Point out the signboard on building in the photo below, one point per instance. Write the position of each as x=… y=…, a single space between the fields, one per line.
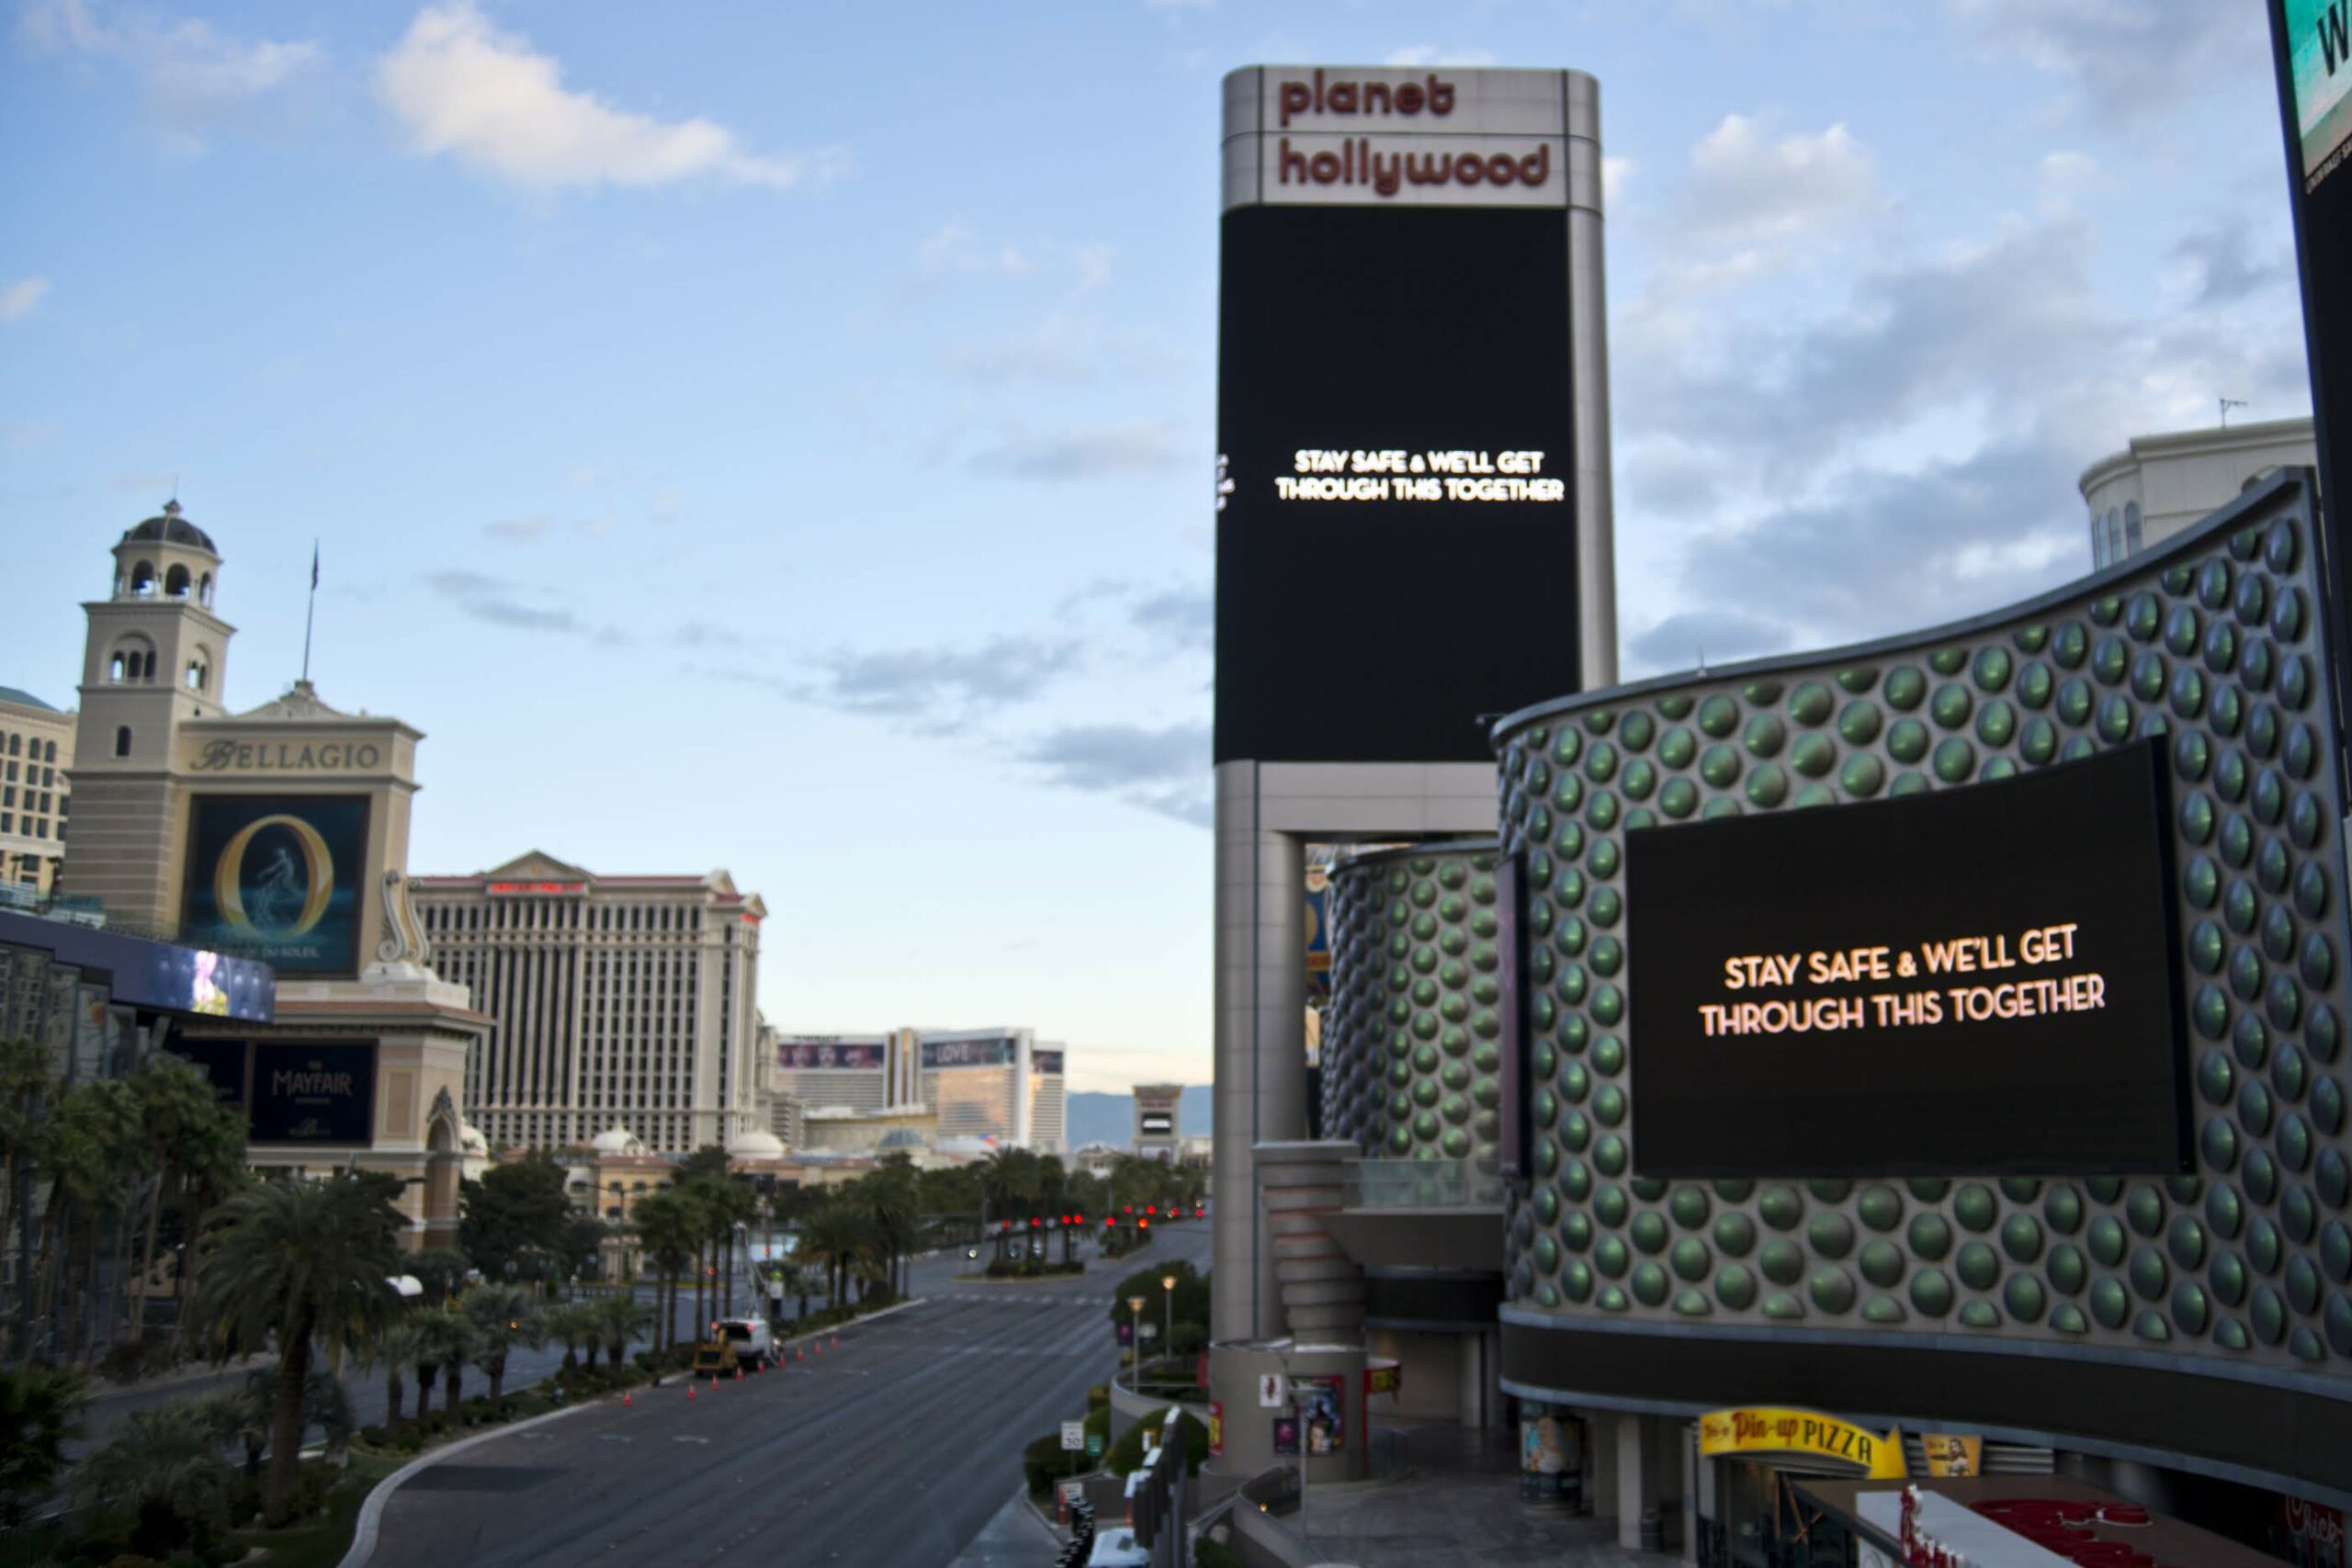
x=996 y=1053
x=313 y=1093
x=1396 y=408
x=278 y=878
x=802 y=1057
x=1771 y=1429
x=2312 y=53
x=1978 y=980
x=291 y=1091
x=1322 y=1412
x=1950 y=1453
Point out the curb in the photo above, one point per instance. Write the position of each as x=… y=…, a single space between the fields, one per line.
x=371 y=1511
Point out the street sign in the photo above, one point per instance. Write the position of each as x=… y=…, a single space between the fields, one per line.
x=1273 y=1391
x=1073 y=1435
x=1094 y=1444
x=1151 y=1331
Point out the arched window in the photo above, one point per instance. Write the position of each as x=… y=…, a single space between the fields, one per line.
x=199 y=675
x=122 y=740
x=2132 y=527
x=175 y=582
x=16 y=745
x=204 y=591
x=2114 y=535
x=50 y=753
x=142 y=579
x=2099 y=544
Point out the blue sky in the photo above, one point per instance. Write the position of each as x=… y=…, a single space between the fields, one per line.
x=783 y=439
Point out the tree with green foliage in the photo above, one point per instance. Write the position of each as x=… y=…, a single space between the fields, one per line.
x=516 y=1219
x=185 y=1136
x=395 y=1350
x=619 y=1319
x=444 y=1343
x=163 y=1477
x=441 y=1270
x=832 y=1238
x=41 y=1412
x=572 y=1325
x=297 y=1262
x=666 y=1225
x=505 y=1316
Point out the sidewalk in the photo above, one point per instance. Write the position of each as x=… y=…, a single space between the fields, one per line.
x=1456 y=1505
x=1016 y=1537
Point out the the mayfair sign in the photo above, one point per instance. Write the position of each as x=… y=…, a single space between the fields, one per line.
x=286 y=756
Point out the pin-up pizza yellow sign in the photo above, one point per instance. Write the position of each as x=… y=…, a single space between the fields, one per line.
x=1768 y=1429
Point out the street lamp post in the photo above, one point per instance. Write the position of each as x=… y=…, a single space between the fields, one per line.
x=1167 y=1314
x=1135 y=1331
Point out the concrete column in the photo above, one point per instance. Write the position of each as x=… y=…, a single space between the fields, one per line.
x=1588 y=352
x=1261 y=1000
x=1635 y=1480
x=1698 y=1494
x=1601 y=1463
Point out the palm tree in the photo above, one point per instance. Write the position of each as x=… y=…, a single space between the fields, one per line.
x=803 y=1282
x=41 y=1412
x=665 y=1224
x=181 y=1126
x=297 y=1260
x=503 y=1316
x=396 y=1349
x=445 y=1342
x=833 y=1237
x=165 y=1472
x=571 y=1326
x=619 y=1319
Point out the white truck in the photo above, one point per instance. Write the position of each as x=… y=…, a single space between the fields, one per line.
x=735 y=1342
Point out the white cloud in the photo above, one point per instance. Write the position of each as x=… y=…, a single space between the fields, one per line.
x=460 y=86
x=1429 y=54
x=955 y=249
x=18 y=298
x=197 y=80
x=2132 y=59
x=1615 y=175
x=1745 y=187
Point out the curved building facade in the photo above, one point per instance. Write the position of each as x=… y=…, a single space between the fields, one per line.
x=1413 y=1035
x=2198 y=1317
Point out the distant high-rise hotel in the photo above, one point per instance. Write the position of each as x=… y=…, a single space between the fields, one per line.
x=620 y=1002
x=36 y=750
x=2160 y=484
x=999 y=1083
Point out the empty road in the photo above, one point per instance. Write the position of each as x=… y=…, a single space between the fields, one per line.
x=890 y=1452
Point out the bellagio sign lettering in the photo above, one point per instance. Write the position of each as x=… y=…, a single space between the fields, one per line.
x=284 y=756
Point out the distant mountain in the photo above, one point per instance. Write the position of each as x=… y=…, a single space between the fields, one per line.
x=1111 y=1118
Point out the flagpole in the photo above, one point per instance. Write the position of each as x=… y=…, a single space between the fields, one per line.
x=309 y=616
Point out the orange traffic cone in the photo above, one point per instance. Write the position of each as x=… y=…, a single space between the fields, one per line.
x=626 y=1401
x=690 y=1391
x=738 y=1374
x=837 y=1341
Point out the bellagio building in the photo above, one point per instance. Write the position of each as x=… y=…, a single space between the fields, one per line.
x=624 y=1001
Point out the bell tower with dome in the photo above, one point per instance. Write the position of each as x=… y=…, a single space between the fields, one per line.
x=154 y=660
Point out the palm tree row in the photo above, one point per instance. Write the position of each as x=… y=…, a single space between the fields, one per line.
x=93 y=1171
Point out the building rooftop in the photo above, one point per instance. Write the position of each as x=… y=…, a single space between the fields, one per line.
x=24 y=699
x=171 y=528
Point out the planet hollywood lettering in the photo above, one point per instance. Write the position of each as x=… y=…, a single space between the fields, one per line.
x=2027 y=996
x=284 y=756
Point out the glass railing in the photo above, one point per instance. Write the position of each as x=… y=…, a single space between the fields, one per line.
x=1425 y=1184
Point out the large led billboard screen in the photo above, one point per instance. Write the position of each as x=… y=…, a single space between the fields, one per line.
x=1396 y=411
x=276 y=877
x=2319 y=63
x=1970 y=981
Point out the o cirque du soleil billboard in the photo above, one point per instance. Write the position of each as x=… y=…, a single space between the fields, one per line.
x=276 y=877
